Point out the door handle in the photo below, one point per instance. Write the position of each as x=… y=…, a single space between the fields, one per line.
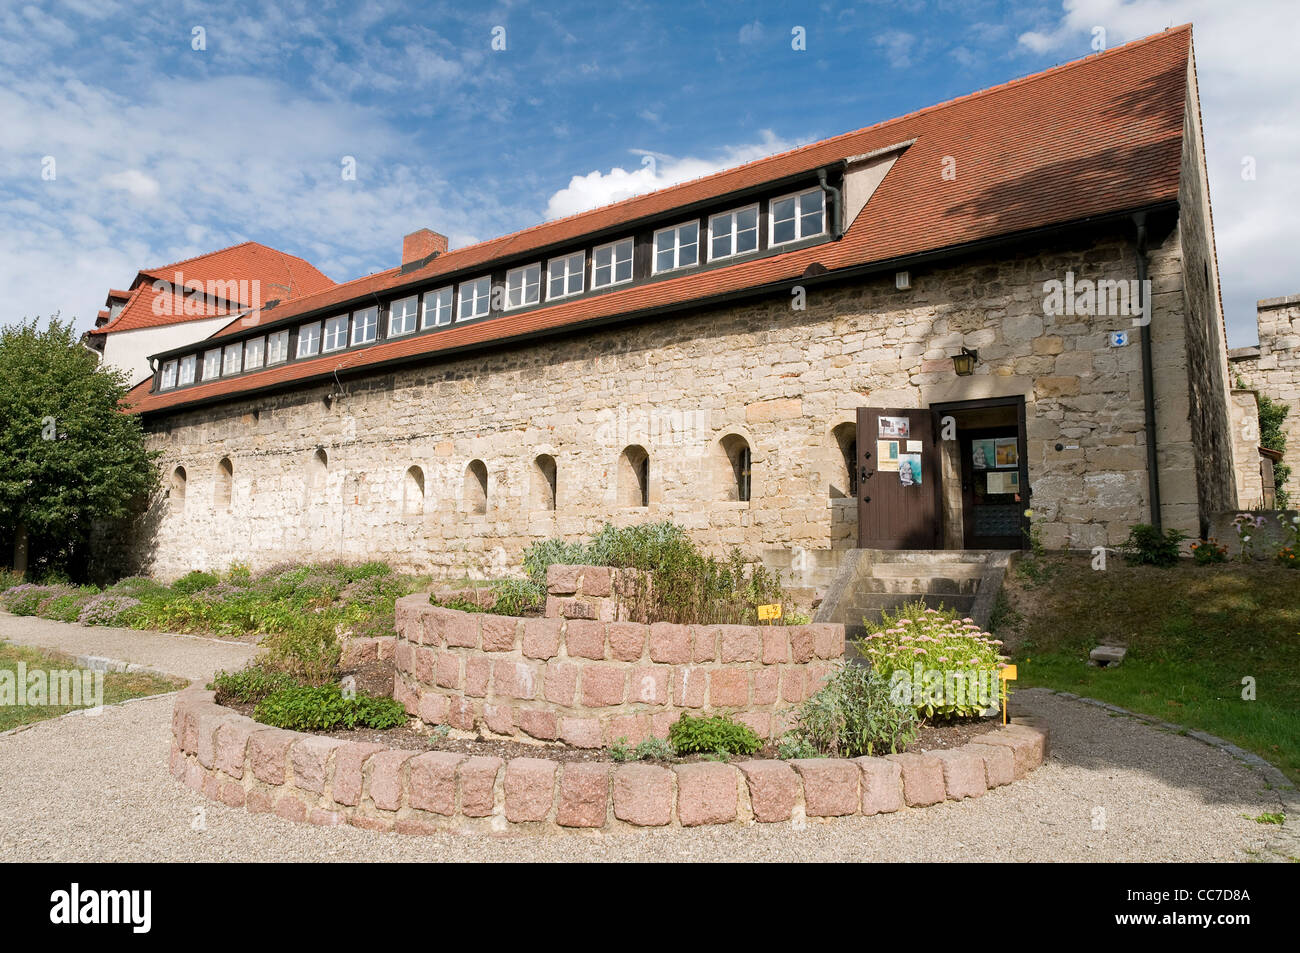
x=865 y=474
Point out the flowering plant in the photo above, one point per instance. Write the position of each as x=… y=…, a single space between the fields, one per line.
x=1209 y=551
x=923 y=644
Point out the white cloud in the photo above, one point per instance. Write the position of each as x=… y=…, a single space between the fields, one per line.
x=898 y=47
x=1248 y=72
x=751 y=33
x=655 y=171
x=135 y=182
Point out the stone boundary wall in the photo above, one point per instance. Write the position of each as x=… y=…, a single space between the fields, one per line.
x=230 y=758
x=588 y=683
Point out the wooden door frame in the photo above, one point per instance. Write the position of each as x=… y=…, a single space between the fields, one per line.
x=1018 y=401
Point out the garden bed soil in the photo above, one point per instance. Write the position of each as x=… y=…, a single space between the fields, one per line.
x=376 y=677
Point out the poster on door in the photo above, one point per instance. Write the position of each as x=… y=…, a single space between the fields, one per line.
x=995 y=453
x=887 y=455
x=909 y=469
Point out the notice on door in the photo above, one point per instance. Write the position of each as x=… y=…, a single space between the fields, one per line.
x=887 y=455
x=909 y=469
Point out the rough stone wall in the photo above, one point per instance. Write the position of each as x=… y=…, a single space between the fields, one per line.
x=1274 y=369
x=1204 y=371
x=1245 y=448
x=782 y=379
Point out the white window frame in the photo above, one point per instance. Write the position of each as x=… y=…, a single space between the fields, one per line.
x=236 y=350
x=277 y=348
x=408 y=310
x=429 y=317
x=519 y=276
x=303 y=336
x=734 y=232
x=251 y=347
x=168 y=379
x=566 y=275
x=677 y=247
x=798 y=217
x=483 y=297
x=335 y=334
x=212 y=364
x=367 y=319
x=613 y=263
x=185 y=371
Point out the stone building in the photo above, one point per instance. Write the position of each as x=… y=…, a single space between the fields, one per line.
x=1273 y=369
x=903 y=337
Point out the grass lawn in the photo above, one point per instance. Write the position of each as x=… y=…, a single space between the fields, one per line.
x=1193 y=634
x=118 y=686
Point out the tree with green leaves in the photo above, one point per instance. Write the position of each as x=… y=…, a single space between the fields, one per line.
x=1271 y=415
x=69 y=456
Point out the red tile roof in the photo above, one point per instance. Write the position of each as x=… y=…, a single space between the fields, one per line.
x=279 y=275
x=1092 y=137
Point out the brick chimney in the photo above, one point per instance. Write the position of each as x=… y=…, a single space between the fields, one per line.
x=422 y=244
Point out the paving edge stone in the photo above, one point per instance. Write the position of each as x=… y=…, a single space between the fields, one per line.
x=374 y=788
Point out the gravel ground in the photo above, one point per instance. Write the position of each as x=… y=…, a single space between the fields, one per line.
x=98 y=789
x=189 y=656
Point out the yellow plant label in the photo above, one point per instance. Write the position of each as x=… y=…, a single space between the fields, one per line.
x=767 y=613
x=1008 y=674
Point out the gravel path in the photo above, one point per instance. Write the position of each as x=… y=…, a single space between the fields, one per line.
x=98 y=789
x=189 y=656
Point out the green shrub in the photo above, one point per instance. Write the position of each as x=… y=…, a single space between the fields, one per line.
x=193 y=582
x=619 y=750
x=540 y=556
x=654 y=749
x=793 y=745
x=457 y=603
x=325 y=708
x=937 y=640
x=308 y=651
x=1148 y=546
x=519 y=597
x=249 y=685
x=717 y=733
x=853 y=714
x=1209 y=551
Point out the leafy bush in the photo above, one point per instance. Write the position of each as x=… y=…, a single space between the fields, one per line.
x=309 y=651
x=717 y=733
x=249 y=685
x=193 y=582
x=1148 y=546
x=457 y=603
x=325 y=708
x=654 y=749
x=540 y=556
x=27 y=598
x=794 y=745
x=620 y=751
x=107 y=609
x=1206 y=552
x=519 y=597
x=853 y=714
x=937 y=641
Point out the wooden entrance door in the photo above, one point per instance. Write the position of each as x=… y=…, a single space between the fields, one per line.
x=898 y=479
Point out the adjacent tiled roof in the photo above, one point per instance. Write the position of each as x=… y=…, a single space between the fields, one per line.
x=280 y=275
x=1093 y=137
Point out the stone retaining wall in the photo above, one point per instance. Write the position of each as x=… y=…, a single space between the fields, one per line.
x=327 y=781
x=588 y=682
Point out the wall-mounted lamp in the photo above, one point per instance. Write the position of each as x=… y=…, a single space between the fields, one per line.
x=964 y=363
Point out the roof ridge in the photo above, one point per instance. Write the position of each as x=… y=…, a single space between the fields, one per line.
x=975 y=94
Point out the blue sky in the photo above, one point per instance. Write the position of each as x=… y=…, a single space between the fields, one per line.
x=162 y=151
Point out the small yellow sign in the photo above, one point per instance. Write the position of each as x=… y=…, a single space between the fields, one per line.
x=1008 y=673
x=768 y=613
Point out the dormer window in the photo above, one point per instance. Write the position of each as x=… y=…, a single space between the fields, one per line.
x=336 y=333
x=234 y=359
x=437 y=308
x=211 y=364
x=475 y=298
x=309 y=340
x=733 y=233
x=795 y=217
x=254 y=353
x=677 y=247
x=611 y=264
x=277 y=348
x=564 y=276
x=523 y=286
x=365 y=324
x=168 y=376
x=401 y=316
x=187 y=365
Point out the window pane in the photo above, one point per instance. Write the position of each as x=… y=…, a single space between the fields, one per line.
x=336 y=333
x=211 y=364
x=168 y=375
x=688 y=237
x=253 y=352
x=746 y=230
x=623 y=264
x=664 y=260
x=401 y=318
x=277 y=347
x=234 y=359
x=364 y=323
x=309 y=339
x=187 y=370
x=475 y=298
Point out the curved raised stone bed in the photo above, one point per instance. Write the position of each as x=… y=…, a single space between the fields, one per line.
x=233 y=759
